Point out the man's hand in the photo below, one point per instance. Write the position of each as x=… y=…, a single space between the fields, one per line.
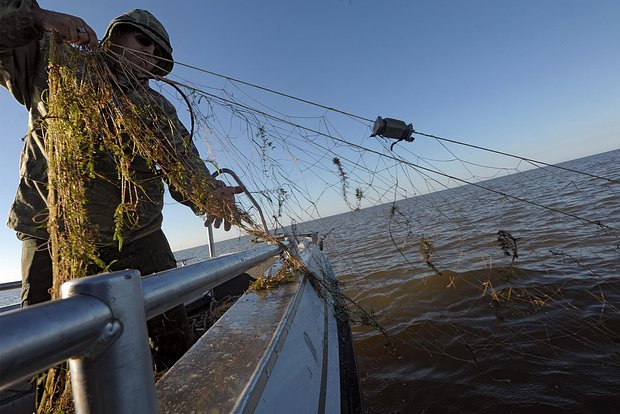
x=69 y=28
x=227 y=209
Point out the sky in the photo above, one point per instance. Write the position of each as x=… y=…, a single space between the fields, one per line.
x=538 y=78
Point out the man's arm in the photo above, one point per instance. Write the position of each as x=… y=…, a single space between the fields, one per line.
x=19 y=49
x=179 y=138
x=22 y=21
x=17 y=27
x=22 y=25
x=69 y=28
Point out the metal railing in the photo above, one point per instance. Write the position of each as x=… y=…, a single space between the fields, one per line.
x=100 y=326
x=10 y=285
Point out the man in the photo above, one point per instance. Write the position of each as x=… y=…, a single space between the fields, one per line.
x=142 y=47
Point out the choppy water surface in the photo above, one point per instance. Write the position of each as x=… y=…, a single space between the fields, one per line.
x=483 y=333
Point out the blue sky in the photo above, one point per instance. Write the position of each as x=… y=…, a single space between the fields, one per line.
x=538 y=78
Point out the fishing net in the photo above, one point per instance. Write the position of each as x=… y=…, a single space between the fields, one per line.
x=465 y=268
x=97 y=115
x=466 y=258
x=101 y=114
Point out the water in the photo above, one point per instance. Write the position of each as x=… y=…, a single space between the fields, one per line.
x=473 y=330
x=9 y=297
x=482 y=333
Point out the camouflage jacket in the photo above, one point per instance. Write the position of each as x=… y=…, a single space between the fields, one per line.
x=23 y=71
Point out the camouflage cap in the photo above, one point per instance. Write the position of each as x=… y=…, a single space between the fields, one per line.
x=149 y=25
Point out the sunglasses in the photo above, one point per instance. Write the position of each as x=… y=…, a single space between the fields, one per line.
x=143 y=39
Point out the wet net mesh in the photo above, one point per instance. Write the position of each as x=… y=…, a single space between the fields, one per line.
x=471 y=266
x=477 y=265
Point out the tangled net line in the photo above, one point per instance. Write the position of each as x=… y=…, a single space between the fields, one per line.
x=481 y=243
x=468 y=243
x=540 y=288
x=510 y=272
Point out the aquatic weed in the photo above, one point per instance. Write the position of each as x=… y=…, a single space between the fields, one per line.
x=508 y=244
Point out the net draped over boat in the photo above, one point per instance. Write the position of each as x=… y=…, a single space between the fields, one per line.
x=501 y=256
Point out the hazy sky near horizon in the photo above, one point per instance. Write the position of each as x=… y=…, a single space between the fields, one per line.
x=538 y=78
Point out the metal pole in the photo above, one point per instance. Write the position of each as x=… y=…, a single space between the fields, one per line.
x=211 y=241
x=41 y=336
x=167 y=289
x=117 y=375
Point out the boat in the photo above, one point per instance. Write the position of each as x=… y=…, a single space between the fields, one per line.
x=286 y=349
x=283 y=349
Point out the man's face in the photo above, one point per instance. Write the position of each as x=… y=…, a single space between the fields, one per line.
x=137 y=48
